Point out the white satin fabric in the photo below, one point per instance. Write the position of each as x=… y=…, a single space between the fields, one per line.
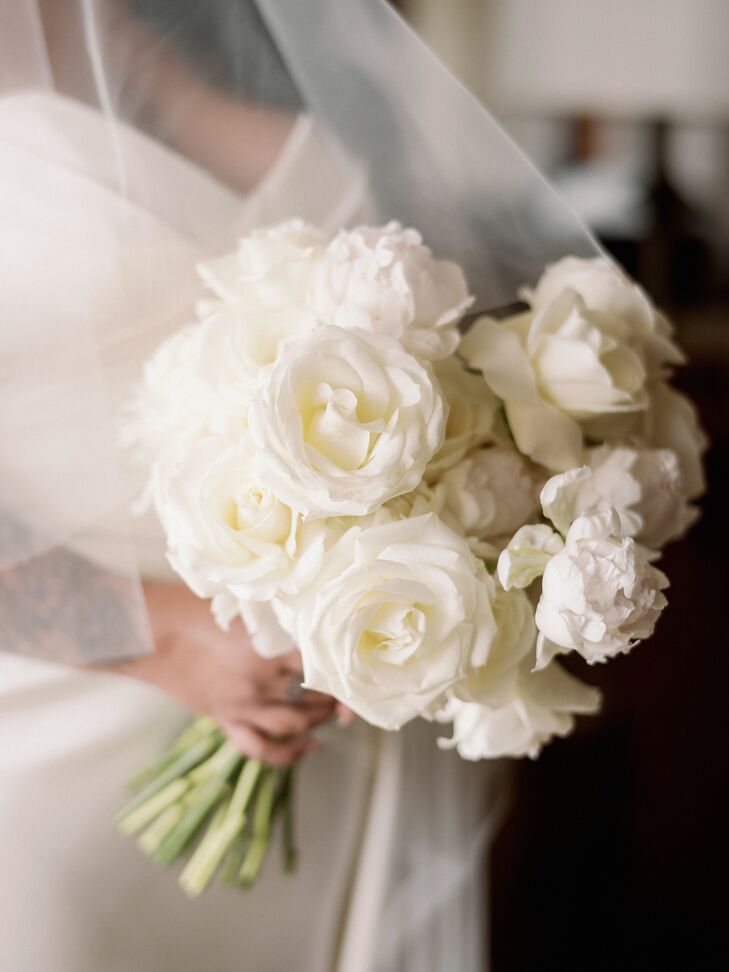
x=391 y=830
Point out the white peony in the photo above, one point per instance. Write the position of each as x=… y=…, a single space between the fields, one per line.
x=543 y=705
x=344 y=421
x=600 y=594
x=643 y=485
x=527 y=554
x=225 y=532
x=273 y=267
x=383 y=279
x=172 y=403
x=401 y=612
x=489 y=493
x=472 y=415
x=556 y=368
x=606 y=288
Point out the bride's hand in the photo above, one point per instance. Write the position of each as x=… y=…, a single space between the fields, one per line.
x=219 y=673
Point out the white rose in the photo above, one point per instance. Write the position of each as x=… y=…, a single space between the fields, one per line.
x=200 y=381
x=401 y=613
x=643 y=485
x=527 y=554
x=495 y=683
x=542 y=706
x=344 y=421
x=555 y=368
x=605 y=288
x=235 y=346
x=272 y=267
x=472 y=415
x=672 y=422
x=260 y=619
x=384 y=280
x=172 y=403
x=600 y=594
x=226 y=532
x=489 y=493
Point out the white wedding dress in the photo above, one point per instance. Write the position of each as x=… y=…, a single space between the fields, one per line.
x=390 y=829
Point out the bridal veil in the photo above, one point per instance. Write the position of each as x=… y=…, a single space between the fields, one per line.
x=137 y=138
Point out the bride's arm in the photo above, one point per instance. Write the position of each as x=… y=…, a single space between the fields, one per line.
x=235 y=139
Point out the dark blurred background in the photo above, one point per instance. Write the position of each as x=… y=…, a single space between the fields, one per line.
x=613 y=854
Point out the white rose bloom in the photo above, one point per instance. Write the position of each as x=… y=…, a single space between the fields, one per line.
x=489 y=493
x=600 y=594
x=527 y=554
x=402 y=612
x=267 y=635
x=554 y=369
x=384 y=280
x=173 y=403
x=643 y=486
x=272 y=267
x=227 y=533
x=472 y=415
x=344 y=421
x=672 y=422
x=606 y=288
x=543 y=705
x=495 y=683
x=200 y=381
x=238 y=344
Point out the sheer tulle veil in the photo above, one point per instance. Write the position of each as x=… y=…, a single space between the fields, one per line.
x=138 y=137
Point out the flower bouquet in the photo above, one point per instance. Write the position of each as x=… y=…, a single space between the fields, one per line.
x=430 y=516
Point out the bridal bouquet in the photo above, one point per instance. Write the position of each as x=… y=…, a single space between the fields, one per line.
x=431 y=518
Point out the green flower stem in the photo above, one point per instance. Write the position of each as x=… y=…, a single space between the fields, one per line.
x=143 y=815
x=201 y=867
x=200 y=728
x=245 y=786
x=262 y=817
x=204 y=772
x=207 y=797
x=202 y=777
x=226 y=826
x=235 y=858
x=186 y=762
x=153 y=836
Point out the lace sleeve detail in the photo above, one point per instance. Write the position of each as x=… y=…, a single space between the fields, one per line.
x=61 y=607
